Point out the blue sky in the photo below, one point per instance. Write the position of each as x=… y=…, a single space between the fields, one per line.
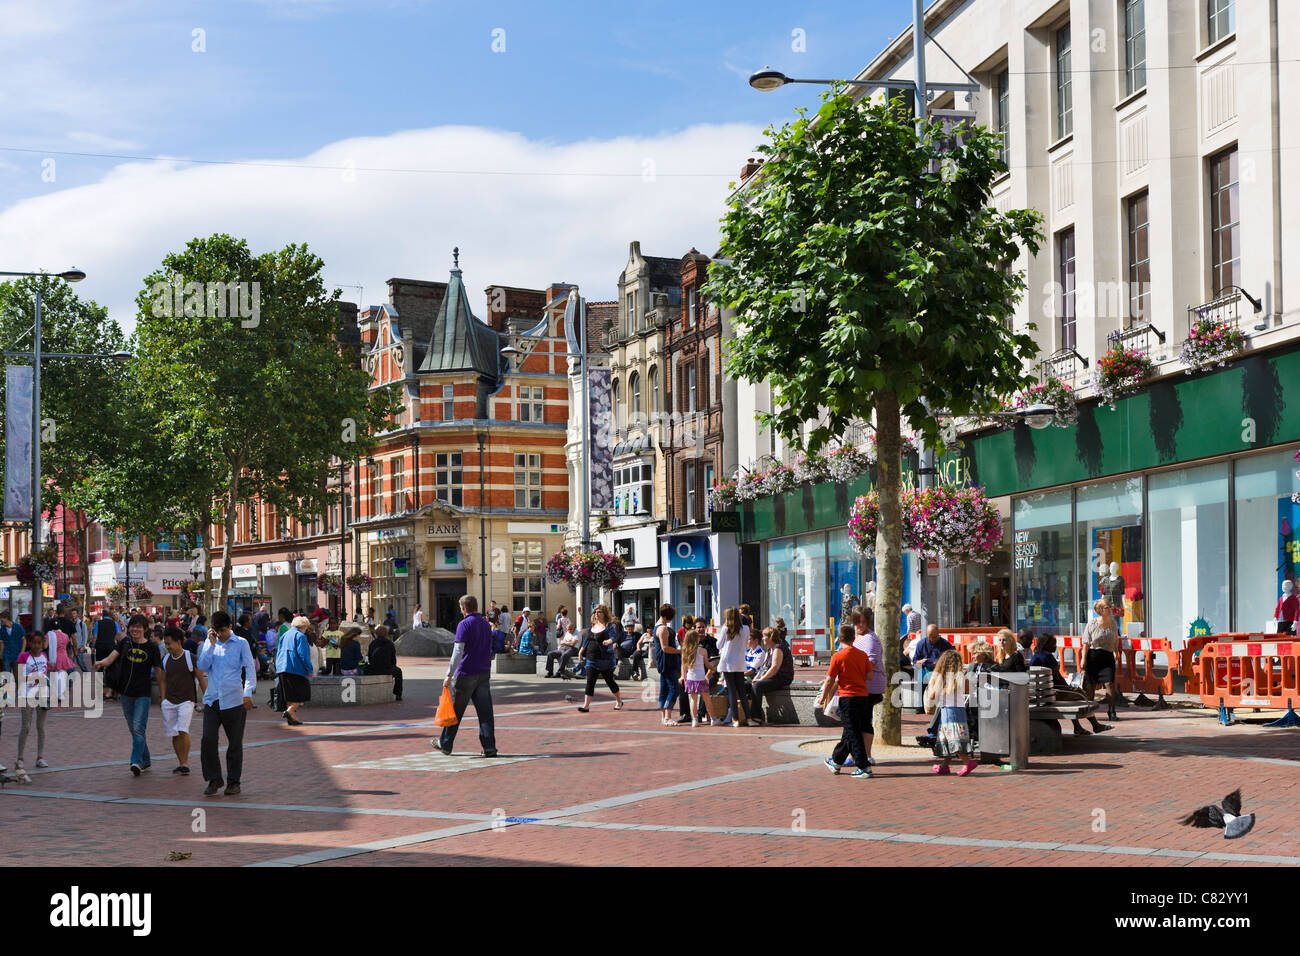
x=578 y=87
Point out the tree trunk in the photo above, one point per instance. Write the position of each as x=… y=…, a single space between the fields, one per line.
x=232 y=503
x=889 y=559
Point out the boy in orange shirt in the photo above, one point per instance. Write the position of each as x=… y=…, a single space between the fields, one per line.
x=850 y=667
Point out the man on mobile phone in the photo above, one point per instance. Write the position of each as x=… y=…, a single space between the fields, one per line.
x=232 y=681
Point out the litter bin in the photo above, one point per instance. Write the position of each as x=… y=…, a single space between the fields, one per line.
x=1003 y=705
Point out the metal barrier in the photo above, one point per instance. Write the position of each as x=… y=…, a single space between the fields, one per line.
x=1250 y=674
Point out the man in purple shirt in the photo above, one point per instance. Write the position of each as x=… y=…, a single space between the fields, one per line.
x=867 y=641
x=468 y=677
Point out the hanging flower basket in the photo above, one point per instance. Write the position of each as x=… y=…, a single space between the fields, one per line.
x=1052 y=392
x=600 y=569
x=1211 y=342
x=115 y=593
x=190 y=588
x=40 y=565
x=958 y=524
x=864 y=521
x=140 y=592
x=722 y=494
x=360 y=583
x=1120 y=372
x=329 y=583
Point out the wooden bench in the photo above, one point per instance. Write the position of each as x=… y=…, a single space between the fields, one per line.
x=1045 y=711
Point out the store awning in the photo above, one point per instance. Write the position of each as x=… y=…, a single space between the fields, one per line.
x=640 y=582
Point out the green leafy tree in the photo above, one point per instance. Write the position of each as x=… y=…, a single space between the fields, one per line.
x=256 y=395
x=76 y=415
x=866 y=268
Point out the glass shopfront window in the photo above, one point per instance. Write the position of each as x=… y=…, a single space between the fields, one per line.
x=1188 y=576
x=810 y=577
x=845 y=574
x=1267 y=536
x=1109 y=545
x=1043 y=556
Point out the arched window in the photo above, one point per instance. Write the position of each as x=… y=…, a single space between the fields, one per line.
x=654 y=390
x=634 y=396
x=617 y=396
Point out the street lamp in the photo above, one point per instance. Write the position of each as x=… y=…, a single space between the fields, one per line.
x=36 y=355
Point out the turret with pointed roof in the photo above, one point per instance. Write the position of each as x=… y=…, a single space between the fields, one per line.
x=460 y=341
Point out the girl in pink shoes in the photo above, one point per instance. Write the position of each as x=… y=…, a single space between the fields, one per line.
x=947 y=692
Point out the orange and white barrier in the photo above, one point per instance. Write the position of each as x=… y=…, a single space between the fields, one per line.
x=1249 y=673
x=1130 y=679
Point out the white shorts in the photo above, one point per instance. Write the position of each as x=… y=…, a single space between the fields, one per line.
x=176 y=717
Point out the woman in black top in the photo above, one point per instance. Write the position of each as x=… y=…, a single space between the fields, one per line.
x=598 y=651
x=1012 y=660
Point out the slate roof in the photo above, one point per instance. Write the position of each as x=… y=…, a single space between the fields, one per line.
x=460 y=342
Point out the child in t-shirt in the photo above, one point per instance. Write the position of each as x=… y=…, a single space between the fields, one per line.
x=34 y=665
x=849 y=669
x=947 y=692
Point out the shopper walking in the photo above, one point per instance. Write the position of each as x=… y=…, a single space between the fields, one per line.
x=140 y=662
x=11 y=632
x=1100 y=639
x=731 y=663
x=866 y=640
x=186 y=685
x=598 y=651
x=227 y=660
x=849 y=671
x=668 y=662
x=469 y=678
x=294 y=669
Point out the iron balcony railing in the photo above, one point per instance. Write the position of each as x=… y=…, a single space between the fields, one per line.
x=1225 y=307
x=1138 y=338
x=1063 y=364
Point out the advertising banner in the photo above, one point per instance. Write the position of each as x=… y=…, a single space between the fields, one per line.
x=18 y=443
x=601 y=453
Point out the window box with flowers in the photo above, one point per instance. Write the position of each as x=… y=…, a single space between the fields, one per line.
x=1120 y=372
x=1211 y=342
x=1053 y=392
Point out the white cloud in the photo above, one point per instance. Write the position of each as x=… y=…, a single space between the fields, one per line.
x=517 y=216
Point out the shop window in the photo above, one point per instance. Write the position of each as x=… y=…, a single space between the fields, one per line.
x=845 y=572
x=1109 y=545
x=1267 y=529
x=1043 y=553
x=809 y=564
x=1188 y=576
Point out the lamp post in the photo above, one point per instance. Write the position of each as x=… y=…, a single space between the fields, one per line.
x=482 y=523
x=343 y=540
x=36 y=355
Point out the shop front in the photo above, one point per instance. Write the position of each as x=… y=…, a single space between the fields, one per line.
x=1177 y=506
x=703 y=577
x=638 y=546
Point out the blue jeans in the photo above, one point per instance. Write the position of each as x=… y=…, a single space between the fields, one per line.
x=136 y=712
x=668 y=686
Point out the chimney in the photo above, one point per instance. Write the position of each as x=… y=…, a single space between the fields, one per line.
x=749 y=168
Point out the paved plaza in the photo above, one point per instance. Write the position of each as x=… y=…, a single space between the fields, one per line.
x=361 y=785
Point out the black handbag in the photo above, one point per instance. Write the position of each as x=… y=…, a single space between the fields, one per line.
x=116 y=673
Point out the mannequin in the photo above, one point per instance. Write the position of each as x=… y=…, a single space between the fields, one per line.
x=847 y=600
x=1112 y=589
x=1288 y=607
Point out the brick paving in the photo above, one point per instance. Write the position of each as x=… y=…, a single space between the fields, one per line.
x=618 y=788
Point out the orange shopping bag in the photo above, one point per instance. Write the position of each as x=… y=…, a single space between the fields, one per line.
x=446 y=716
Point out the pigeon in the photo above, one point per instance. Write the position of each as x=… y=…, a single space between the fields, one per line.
x=568 y=698
x=1229 y=818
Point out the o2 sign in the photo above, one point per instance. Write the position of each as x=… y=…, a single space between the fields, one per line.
x=688 y=552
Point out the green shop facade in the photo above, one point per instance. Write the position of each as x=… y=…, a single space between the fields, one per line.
x=1176 y=505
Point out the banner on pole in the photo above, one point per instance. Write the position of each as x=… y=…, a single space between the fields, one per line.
x=18 y=443
x=601 y=452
